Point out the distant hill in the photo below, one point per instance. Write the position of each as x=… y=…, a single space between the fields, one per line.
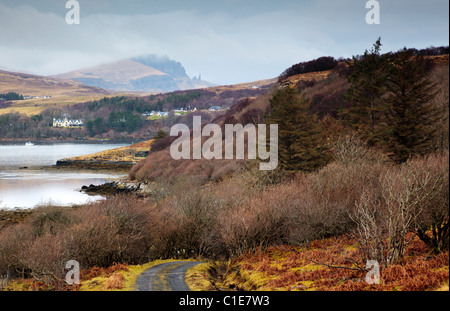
x=44 y=92
x=149 y=73
x=34 y=85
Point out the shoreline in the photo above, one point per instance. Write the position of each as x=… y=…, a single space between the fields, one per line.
x=122 y=158
x=72 y=141
x=80 y=165
x=117 y=161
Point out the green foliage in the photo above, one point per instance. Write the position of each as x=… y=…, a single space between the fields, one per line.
x=392 y=102
x=301 y=139
x=95 y=126
x=319 y=64
x=367 y=87
x=11 y=96
x=411 y=119
x=124 y=121
x=160 y=135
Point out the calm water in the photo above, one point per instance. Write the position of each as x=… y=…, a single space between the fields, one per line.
x=28 y=188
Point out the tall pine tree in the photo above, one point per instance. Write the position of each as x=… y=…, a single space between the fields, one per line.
x=367 y=87
x=300 y=136
x=411 y=118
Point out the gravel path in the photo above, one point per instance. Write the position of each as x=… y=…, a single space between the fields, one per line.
x=165 y=277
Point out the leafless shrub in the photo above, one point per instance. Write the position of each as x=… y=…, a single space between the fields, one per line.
x=254 y=225
x=111 y=231
x=385 y=218
x=349 y=149
x=326 y=198
x=50 y=219
x=186 y=224
x=12 y=242
x=45 y=257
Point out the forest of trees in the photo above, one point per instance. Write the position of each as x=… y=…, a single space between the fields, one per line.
x=319 y=64
x=116 y=117
x=388 y=100
x=10 y=96
x=393 y=102
x=328 y=62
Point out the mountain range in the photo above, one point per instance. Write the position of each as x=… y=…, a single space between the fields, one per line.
x=148 y=73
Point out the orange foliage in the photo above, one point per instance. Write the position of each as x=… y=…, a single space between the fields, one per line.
x=295 y=268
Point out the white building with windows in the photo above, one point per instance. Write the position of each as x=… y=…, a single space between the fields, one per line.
x=66 y=122
x=162 y=114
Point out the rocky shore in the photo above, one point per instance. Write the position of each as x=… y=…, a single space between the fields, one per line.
x=117 y=187
x=94 y=165
x=122 y=158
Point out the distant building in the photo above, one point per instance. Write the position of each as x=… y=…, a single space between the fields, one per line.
x=162 y=114
x=215 y=108
x=66 y=122
x=190 y=109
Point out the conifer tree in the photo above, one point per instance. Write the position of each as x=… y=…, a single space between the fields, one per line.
x=411 y=118
x=300 y=137
x=367 y=87
x=160 y=135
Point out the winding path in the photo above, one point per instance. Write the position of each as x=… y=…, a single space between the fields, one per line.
x=168 y=276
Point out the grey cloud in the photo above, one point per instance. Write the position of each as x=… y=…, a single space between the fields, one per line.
x=226 y=41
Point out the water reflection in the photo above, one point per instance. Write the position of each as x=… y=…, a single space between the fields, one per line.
x=29 y=189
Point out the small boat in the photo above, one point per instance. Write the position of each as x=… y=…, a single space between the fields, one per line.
x=29 y=143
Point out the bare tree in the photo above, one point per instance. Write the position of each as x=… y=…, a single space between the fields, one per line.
x=385 y=219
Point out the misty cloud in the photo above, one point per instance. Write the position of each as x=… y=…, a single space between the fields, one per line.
x=227 y=42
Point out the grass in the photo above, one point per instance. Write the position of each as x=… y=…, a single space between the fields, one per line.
x=62 y=92
x=198 y=278
x=9 y=217
x=288 y=268
x=122 y=154
x=123 y=277
x=35 y=106
x=155 y=117
x=116 y=278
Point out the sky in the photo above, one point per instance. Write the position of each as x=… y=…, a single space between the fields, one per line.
x=227 y=41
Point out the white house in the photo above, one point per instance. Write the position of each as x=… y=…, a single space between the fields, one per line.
x=66 y=122
x=162 y=114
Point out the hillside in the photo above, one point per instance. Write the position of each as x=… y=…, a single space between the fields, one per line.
x=148 y=73
x=324 y=89
x=360 y=215
x=117 y=115
x=61 y=92
x=250 y=109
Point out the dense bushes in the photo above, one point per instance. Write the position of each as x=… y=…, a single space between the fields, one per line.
x=319 y=64
x=361 y=192
x=413 y=198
